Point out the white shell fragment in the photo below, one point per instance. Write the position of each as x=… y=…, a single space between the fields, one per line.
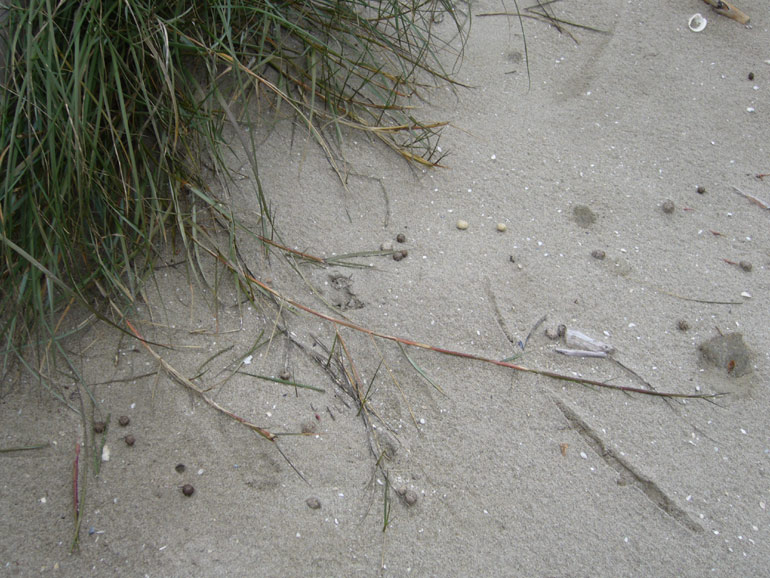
x=697 y=23
x=580 y=353
x=577 y=340
x=106 y=453
x=462 y=224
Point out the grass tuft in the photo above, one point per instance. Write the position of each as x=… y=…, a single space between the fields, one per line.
x=109 y=110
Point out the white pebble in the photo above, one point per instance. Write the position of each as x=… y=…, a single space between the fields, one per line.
x=462 y=224
x=502 y=227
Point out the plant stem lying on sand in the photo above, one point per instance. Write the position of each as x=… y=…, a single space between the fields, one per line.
x=472 y=356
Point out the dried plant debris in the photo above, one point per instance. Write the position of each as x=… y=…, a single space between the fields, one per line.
x=728 y=352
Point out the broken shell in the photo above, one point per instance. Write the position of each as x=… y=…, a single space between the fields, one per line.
x=697 y=23
x=462 y=224
x=577 y=340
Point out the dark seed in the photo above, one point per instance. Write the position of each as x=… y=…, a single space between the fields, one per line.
x=180 y=468
x=751 y=76
x=401 y=238
x=313 y=503
x=285 y=375
x=124 y=420
x=701 y=189
x=598 y=254
x=130 y=440
x=745 y=265
x=188 y=490
x=99 y=426
x=561 y=330
x=682 y=325
x=404 y=254
x=668 y=207
x=398 y=256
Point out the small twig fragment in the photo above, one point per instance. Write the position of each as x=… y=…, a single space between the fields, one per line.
x=752 y=198
x=726 y=9
x=580 y=353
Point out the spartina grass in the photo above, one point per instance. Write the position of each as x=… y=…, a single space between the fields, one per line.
x=109 y=109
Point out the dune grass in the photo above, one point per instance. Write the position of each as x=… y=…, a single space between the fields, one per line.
x=109 y=110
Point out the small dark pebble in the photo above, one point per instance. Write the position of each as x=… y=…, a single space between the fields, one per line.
x=701 y=189
x=180 y=468
x=124 y=420
x=313 y=503
x=512 y=258
x=668 y=207
x=99 y=426
x=398 y=256
x=401 y=238
x=598 y=254
x=188 y=490
x=682 y=325
x=745 y=265
x=404 y=254
x=751 y=76
x=130 y=440
x=552 y=334
x=285 y=375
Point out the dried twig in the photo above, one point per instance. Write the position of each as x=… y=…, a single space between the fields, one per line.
x=726 y=9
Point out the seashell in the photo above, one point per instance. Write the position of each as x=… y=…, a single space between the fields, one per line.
x=577 y=340
x=697 y=23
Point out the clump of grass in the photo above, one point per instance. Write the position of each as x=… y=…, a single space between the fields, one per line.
x=108 y=109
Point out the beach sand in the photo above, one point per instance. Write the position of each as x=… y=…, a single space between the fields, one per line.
x=490 y=471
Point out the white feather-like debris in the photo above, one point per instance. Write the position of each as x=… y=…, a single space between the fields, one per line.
x=578 y=340
x=580 y=352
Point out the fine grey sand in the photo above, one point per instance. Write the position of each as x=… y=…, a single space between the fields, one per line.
x=513 y=474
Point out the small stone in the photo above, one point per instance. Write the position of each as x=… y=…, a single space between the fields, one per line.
x=313 y=503
x=502 y=227
x=180 y=468
x=124 y=420
x=751 y=76
x=401 y=238
x=130 y=440
x=99 y=426
x=398 y=255
x=404 y=254
x=386 y=246
x=561 y=330
x=410 y=497
x=462 y=224
x=668 y=207
x=552 y=334
x=745 y=265
x=701 y=189
x=598 y=254
x=682 y=325
x=188 y=490
x=285 y=375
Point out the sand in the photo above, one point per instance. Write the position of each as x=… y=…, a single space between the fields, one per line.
x=499 y=473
